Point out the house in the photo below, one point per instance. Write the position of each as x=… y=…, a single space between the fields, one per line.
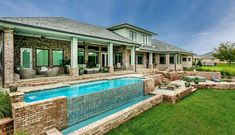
x=208 y=59
x=41 y=42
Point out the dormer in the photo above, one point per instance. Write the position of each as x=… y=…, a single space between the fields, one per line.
x=134 y=33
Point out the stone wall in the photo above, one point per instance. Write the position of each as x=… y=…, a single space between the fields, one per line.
x=8 y=57
x=148 y=85
x=6 y=126
x=86 y=106
x=36 y=118
x=39 y=43
x=219 y=86
x=176 y=97
x=104 y=125
x=207 y=75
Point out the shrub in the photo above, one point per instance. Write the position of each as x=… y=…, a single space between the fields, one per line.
x=199 y=63
x=196 y=80
x=5 y=105
x=187 y=84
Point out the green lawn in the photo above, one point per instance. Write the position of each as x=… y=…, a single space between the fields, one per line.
x=205 y=112
x=220 y=67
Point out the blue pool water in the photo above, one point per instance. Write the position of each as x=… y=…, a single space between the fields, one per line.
x=80 y=89
x=102 y=115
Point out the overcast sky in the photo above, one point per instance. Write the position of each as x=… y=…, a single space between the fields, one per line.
x=197 y=25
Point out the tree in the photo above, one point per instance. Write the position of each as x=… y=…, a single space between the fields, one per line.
x=225 y=51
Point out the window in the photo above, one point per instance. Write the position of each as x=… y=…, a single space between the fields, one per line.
x=81 y=57
x=172 y=60
x=132 y=36
x=26 y=57
x=42 y=57
x=57 y=57
x=118 y=58
x=146 y=39
x=189 y=59
x=184 y=59
x=162 y=59
x=92 y=59
x=140 y=58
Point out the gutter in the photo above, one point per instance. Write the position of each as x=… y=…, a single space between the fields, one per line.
x=38 y=27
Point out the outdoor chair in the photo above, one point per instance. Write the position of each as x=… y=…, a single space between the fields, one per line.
x=52 y=72
x=97 y=68
x=42 y=70
x=26 y=73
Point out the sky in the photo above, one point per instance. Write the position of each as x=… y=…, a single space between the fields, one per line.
x=194 y=25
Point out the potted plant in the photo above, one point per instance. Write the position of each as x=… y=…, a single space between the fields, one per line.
x=66 y=63
x=81 y=70
x=105 y=69
x=5 y=105
x=187 y=84
x=196 y=80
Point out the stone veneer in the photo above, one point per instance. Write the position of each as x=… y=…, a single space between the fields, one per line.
x=176 y=97
x=207 y=75
x=38 y=117
x=148 y=85
x=219 y=86
x=104 y=125
x=6 y=126
x=8 y=57
x=39 y=43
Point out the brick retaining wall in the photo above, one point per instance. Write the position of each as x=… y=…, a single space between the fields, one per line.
x=35 y=118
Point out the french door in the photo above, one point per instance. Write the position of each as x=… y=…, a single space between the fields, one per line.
x=26 y=57
x=104 y=59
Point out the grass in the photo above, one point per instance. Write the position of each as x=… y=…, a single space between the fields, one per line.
x=205 y=112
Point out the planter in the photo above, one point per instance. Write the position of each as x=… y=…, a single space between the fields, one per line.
x=81 y=71
x=105 y=69
x=187 y=84
x=6 y=126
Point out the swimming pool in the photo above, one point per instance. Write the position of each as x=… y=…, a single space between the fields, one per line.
x=80 y=89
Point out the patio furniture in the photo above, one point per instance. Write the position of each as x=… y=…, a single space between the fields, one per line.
x=97 y=69
x=89 y=71
x=119 y=66
x=52 y=72
x=26 y=73
x=42 y=70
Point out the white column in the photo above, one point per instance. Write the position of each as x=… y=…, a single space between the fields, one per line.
x=110 y=54
x=150 y=58
x=74 y=57
x=110 y=57
x=74 y=51
x=133 y=56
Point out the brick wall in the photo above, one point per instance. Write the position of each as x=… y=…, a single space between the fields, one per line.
x=35 y=118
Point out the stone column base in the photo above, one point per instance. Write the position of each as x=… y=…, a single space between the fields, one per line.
x=132 y=67
x=150 y=66
x=74 y=71
x=111 y=69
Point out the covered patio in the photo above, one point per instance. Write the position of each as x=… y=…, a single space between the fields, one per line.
x=31 y=52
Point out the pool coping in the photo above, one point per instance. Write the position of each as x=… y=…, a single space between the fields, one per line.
x=67 y=84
